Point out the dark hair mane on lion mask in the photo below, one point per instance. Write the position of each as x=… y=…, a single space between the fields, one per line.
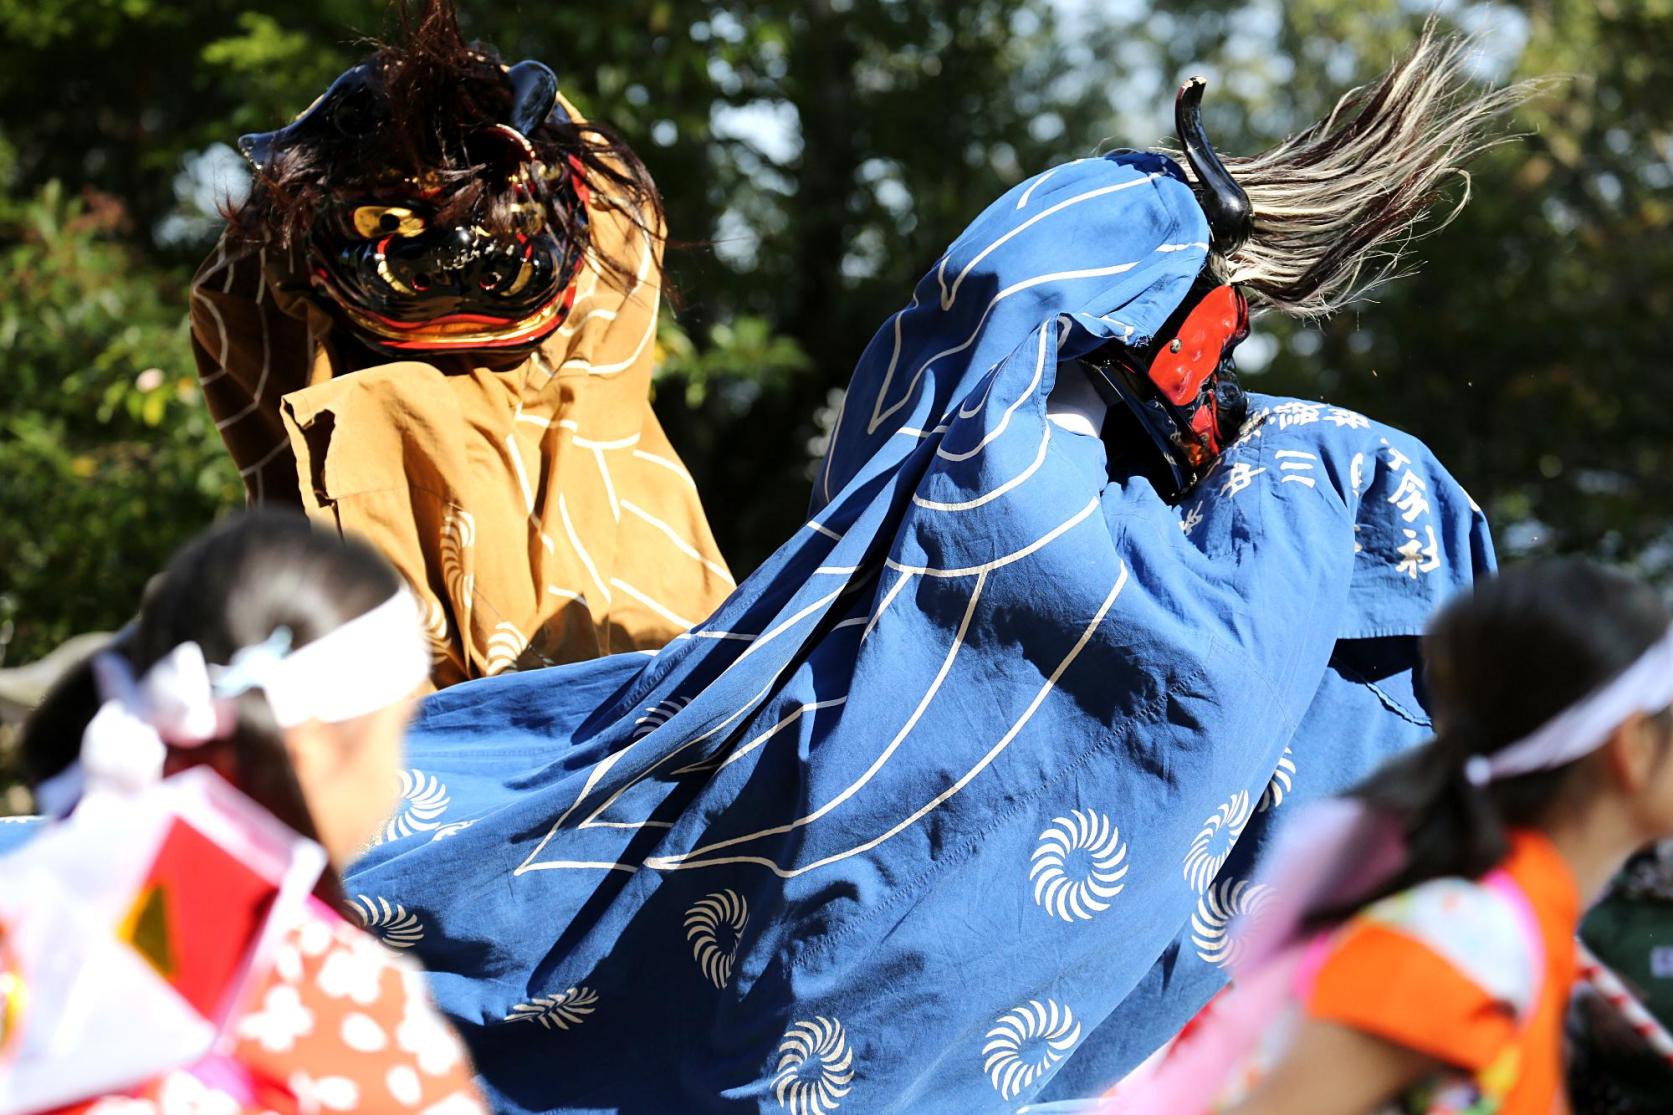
x=433 y=183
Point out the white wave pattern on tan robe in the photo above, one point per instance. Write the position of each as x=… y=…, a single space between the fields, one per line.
x=538 y=510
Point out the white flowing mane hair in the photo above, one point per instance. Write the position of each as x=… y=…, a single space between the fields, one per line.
x=1336 y=205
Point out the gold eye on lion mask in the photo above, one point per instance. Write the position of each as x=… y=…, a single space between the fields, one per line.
x=373 y=221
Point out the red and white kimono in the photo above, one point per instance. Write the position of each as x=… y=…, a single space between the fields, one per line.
x=161 y=951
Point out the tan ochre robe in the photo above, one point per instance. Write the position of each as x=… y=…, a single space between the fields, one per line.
x=538 y=511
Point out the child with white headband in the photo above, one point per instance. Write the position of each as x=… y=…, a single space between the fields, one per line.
x=286 y=661
x=1414 y=953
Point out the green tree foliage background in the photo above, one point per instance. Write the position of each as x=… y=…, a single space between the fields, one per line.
x=816 y=156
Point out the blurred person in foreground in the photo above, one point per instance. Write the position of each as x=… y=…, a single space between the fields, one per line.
x=176 y=939
x=1416 y=952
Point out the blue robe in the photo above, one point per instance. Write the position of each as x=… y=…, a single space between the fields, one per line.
x=937 y=812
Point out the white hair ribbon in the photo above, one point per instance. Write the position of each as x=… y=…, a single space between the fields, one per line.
x=365 y=665
x=1645 y=686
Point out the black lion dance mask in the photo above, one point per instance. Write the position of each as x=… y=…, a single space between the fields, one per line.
x=407 y=258
x=1182 y=387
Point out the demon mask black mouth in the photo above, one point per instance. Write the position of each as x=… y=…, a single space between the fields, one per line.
x=480 y=250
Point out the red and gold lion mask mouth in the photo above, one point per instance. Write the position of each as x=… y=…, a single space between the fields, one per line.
x=457 y=332
x=407 y=285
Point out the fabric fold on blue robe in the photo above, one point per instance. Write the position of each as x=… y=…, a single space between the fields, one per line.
x=948 y=806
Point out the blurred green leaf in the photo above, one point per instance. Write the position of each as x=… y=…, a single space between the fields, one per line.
x=102 y=477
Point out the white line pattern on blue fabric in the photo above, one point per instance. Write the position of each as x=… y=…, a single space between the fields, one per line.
x=1214 y=843
x=1282 y=780
x=424 y=799
x=883 y=606
x=738 y=753
x=712 y=917
x=815 y=1067
x=995 y=493
x=1039 y=180
x=775 y=632
x=948 y=296
x=1075 y=887
x=1016 y=288
x=595 y=776
x=388 y=922
x=1225 y=903
x=557 y=1012
x=705 y=855
x=879 y=415
x=658 y=715
x=1027 y=1044
x=669 y=863
x=1006 y=559
x=452 y=828
x=877 y=764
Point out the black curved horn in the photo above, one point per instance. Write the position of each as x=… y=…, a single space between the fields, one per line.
x=1230 y=216
x=534 y=93
x=347 y=109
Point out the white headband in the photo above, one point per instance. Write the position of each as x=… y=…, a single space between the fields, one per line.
x=365 y=665
x=369 y=663
x=1645 y=686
